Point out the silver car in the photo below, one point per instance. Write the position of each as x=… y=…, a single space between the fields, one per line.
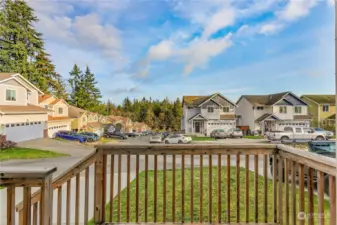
x=220 y=134
x=234 y=133
x=156 y=139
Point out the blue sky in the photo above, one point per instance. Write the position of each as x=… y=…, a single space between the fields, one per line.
x=170 y=48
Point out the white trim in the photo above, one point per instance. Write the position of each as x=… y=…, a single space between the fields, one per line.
x=210 y=98
x=38 y=90
x=310 y=99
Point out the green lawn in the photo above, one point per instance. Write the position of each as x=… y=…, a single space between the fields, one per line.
x=27 y=153
x=195 y=138
x=196 y=205
x=253 y=137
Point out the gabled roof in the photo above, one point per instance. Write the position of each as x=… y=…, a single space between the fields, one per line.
x=267 y=100
x=321 y=99
x=76 y=112
x=196 y=116
x=8 y=76
x=332 y=117
x=43 y=98
x=265 y=117
x=95 y=125
x=199 y=100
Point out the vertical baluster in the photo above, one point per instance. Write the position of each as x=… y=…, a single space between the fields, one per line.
x=119 y=187
x=301 y=197
x=238 y=188
x=77 y=200
x=11 y=205
x=219 y=188
x=59 y=205
x=104 y=177
x=128 y=188
x=86 y=197
x=332 y=193
x=274 y=166
x=26 y=206
x=293 y=192
x=137 y=188
x=146 y=185
x=46 y=201
x=164 y=189
x=320 y=184
x=35 y=211
x=247 y=188
x=228 y=188
x=201 y=188
x=265 y=187
x=192 y=189
x=173 y=187
x=182 y=188
x=68 y=200
x=155 y=188
x=210 y=188
x=310 y=196
x=256 y=187
x=112 y=186
x=280 y=189
x=286 y=180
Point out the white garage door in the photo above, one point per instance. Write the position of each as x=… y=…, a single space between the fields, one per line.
x=24 y=131
x=54 y=129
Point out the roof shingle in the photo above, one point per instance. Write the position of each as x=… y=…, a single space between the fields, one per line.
x=261 y=100
x=321 y=99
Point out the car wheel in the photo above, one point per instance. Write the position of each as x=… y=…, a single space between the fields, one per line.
x=167 y=142
x=180 y=142
x=284 y=139
x=319 y=138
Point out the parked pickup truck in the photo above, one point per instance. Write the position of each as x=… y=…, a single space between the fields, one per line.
x=294 y=134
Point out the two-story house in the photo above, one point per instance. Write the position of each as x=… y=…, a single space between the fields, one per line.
x=321 y=107
x=79 y=118
x=20 y=116
x=203 y=114
x=58 y=117
x=94 y=125
x=272 y=112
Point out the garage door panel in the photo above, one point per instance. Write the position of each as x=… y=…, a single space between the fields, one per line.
x=24 y=133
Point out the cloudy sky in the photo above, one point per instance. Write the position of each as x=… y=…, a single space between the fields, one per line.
x=171 y=48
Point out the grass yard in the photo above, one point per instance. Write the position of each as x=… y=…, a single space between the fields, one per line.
x=196 y=205
x=253 y=137
x=27 y=153
x=195 y=138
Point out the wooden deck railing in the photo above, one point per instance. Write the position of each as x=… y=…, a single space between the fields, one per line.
x=260 y=184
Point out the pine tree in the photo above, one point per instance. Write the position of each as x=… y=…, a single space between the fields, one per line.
x=76 y=82
x=92 y=92
x=21 y=42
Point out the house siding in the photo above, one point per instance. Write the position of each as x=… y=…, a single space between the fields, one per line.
x=245 y=110
x=21 y=95
x=56 y=110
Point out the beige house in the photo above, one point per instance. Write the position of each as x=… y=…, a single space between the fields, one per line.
x=20 y=116
x=79 y=118
x=58 y=118
x=94 y=125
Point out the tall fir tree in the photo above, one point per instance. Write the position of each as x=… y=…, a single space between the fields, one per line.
x=76 y=82
x=92 y=91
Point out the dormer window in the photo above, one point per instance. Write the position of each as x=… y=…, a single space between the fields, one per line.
x=60 y=110
x=225 y=109
x=10 y=95
x=210 y=109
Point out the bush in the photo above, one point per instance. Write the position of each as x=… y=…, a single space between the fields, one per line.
x=6 y=144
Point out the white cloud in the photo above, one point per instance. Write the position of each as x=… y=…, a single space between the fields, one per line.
x=331 y=2
x=221 y=19
x=161 y=51
x=296 y=9
x=270 y=28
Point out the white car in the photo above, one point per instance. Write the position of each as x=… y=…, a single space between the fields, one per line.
x=177 y=139
x=156 y=139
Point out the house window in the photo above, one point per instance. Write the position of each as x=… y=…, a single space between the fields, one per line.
x=298 y=109
x=46 y=106
x=60 y=110
x=226 y=109
x=83 y=119
x=283 y=109
x=210 y=109
x=325 y=108
x=259 y=108
x=10 y=95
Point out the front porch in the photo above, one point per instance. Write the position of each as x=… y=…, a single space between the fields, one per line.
x=228 y=184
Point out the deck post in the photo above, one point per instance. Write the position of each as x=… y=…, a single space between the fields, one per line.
x=99 y=189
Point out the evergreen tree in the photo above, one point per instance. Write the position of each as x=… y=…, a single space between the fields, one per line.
x=92 y=93
x=76 y=82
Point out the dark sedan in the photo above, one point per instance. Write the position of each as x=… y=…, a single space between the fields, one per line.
x=117 y=135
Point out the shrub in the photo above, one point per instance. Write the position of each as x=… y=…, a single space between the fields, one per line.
x=7 y=144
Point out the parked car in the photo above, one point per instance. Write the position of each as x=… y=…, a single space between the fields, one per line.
x=324 y=148
x=213 y=133
x=177 y=139
x=117 y=135
x=235 y=133
x=328 y=134
x=91 y=137
x=220 y=134
x=70 y=135
x=156 y=139
x=295 y=133
x=131 y=135
x=165 y=134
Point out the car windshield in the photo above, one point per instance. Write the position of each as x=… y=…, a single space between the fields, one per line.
x=319 y=129
x=237 y=129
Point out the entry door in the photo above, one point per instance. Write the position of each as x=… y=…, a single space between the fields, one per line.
x=197 y=127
